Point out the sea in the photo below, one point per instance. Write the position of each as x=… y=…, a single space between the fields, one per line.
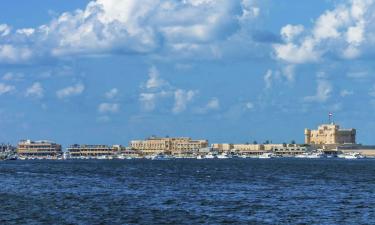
x=183 y=191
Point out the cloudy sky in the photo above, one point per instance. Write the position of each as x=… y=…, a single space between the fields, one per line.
x=108 y=71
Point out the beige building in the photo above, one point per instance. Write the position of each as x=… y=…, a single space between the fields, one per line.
x=258 y=149
x=174 y=146
x=90 y=151
x=239 y=148
x=222 y=147
x=28 y=149
x=289 y=149
x=330 y=134
x=124 y=152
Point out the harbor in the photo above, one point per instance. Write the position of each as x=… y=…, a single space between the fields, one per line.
x=328 y=141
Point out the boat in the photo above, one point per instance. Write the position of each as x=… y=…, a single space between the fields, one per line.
x=350 y=155
x=222 y=156
x=199 y=157
x=209 y=156
x=310 y=155
x=161 y=157
x=266 y=156
x=120 y=156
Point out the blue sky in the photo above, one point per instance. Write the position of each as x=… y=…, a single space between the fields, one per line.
x=109 y=71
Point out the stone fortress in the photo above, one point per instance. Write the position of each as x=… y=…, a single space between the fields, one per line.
x=329 y=134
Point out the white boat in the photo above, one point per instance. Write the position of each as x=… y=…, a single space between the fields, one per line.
x=121 y=156
x=222 y=156
x=199 y=157
x=209 y=156
x=161 y=157
x=266 y=156
x=350 y=155
x=310 y=155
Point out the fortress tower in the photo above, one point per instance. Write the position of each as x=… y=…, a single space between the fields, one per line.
x=330 y=134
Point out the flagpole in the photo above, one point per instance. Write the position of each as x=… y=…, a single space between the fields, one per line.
x=330 y=118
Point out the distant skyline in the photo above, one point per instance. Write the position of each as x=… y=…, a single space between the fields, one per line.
x=109 y=71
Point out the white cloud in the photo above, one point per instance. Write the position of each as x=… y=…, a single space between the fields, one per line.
x=293 y=53
x=127 y=26
x=154 y=90
x=14 y=54
x=154 y=80
x=182 y=99
x=345 y=31
x=249 y=105
x=289 y=72
x=36 y=90
x=4 y=30
x=26 y=31
x=289 y=32
x=74 y=90
x=111 y=93
x=4 y=88
x=358 y=74
x=157 y=90
x=323 y=92
x=345 y=93
x=108 y=107
x=268 y=79
x=13 y=76
x=213 y=104
x=149 y=100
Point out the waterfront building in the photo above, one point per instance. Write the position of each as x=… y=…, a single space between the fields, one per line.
x=28 y=149
x=173 y=146
x=222 y=147
x=289 y=149
x=259 y=149
x=242 y=149
x=90 y=151
x=330 y=134
x=122 y=152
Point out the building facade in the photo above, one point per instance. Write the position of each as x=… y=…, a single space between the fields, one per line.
x=173 y=146
x=330 y=134
x=28 y=149
x=289 y=150
x=258 y=149
x=90 y=151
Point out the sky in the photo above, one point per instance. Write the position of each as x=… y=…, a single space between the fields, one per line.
x=109 y=71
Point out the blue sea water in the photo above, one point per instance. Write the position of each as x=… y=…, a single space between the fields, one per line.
x=241 y=191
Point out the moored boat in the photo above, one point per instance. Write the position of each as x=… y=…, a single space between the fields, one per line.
x=310 y=155
x=266 y=155
x=350 y=155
